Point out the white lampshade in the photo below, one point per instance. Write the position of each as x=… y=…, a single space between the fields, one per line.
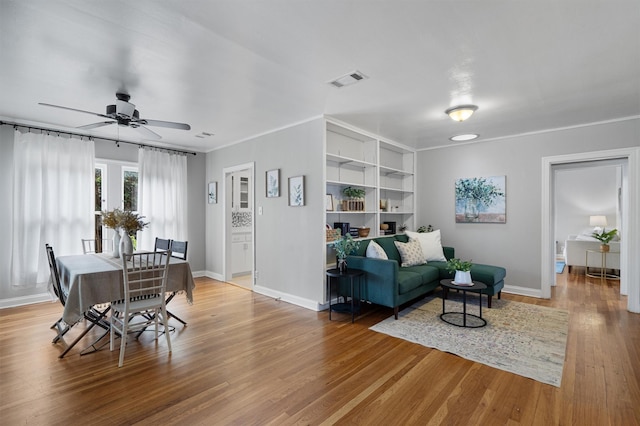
x=597 y=221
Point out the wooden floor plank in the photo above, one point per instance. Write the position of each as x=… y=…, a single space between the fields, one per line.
x=248 y=359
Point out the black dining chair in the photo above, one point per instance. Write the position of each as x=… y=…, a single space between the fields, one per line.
x=179 y=249
x=180 y=252
x=162 y=245
x=60 y=325
x=95 y=316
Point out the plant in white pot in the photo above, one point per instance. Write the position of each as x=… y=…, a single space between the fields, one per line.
x=344 y=247
x=605 y=238
x=462 y=270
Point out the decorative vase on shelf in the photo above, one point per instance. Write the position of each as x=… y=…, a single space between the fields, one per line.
x=342 y=265
x=463 y=277
x=116 y=243
x=126 y=245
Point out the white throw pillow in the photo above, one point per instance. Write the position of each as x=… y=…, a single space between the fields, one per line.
x=374 y=251
x=431 y=244
x=410 y=253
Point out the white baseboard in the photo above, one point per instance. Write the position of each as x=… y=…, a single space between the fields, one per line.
x=198 y=274
x=285 y=297
x=26 y=300
x=212 y=275
x=523 y=291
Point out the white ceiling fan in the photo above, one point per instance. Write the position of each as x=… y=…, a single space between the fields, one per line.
x=125 y=114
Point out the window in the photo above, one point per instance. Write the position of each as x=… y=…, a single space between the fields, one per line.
x=116 y=186
x=100 y=199
x=130 y=188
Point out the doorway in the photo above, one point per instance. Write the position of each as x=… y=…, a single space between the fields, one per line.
x=239 y=225
x=584 y=192
x=630 y=272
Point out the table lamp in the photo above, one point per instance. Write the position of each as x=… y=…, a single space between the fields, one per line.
x=598 y=221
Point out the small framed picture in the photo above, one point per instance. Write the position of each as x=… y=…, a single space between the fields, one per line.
x=273 y=183
x=296 y=191
x=212 y=192
x=329 y=203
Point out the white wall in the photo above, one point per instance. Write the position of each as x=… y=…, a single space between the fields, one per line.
x=288 y=240
x=515 y=245
x=10 y=295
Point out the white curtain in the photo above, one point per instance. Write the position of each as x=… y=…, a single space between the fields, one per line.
x=162 y=186
x=53 y=201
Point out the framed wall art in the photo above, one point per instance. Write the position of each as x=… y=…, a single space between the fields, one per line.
x=296 y=191
x=481 y=200
x=212 y=192
x=329 y=203
x=273 y=183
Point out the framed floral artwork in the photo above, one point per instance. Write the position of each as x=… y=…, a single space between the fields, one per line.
x=481 y=200
x=296 y=191
x=273 y=183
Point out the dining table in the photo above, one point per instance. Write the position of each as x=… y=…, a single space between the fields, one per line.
x=92 y=281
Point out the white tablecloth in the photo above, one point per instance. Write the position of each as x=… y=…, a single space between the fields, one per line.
x=93 y=279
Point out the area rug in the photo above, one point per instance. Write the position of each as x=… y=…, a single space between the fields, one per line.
x=559 y=266
x=520 y=338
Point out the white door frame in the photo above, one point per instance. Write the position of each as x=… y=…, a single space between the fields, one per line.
x=226 y=219
x=630 y=247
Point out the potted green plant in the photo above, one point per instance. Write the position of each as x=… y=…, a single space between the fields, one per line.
x=605 y=238
x=424 y=229
x=355 y=201
x=344 y=247
x=355 y=193
x=462 y=270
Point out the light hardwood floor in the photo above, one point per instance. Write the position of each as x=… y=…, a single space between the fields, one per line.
x=247 y=359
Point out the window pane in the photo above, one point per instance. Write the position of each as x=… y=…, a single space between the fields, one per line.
x=98 y=204
x=130 y=190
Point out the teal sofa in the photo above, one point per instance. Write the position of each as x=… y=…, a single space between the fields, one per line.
x=389 y=284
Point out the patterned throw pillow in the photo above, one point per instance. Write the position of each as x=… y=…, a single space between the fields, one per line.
x=410 y=253
x=374 y=251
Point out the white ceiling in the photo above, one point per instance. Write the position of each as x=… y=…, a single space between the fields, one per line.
x=242 y=68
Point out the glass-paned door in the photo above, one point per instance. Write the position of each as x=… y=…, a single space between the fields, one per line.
x=100 y=194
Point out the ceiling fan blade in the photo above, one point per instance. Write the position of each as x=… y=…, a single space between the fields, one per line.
x=169 y=124
x=148 y=133
x=74 y=109
x=95 y=125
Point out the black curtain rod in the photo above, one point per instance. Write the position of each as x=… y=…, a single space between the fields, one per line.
x=90 y=137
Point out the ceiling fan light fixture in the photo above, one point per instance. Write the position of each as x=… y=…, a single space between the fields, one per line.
x=465 y=137
x=461 y=112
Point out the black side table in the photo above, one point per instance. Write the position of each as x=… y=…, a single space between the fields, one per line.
x=334 y=275
x=477 y=287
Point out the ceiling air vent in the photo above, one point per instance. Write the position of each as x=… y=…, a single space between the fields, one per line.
x=348 y=79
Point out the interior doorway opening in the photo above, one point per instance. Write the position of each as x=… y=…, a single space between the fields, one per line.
x=239 y=225
x=629 y=272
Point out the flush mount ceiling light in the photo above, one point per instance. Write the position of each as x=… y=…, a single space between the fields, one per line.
x=461 y=112
x=461 y=138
